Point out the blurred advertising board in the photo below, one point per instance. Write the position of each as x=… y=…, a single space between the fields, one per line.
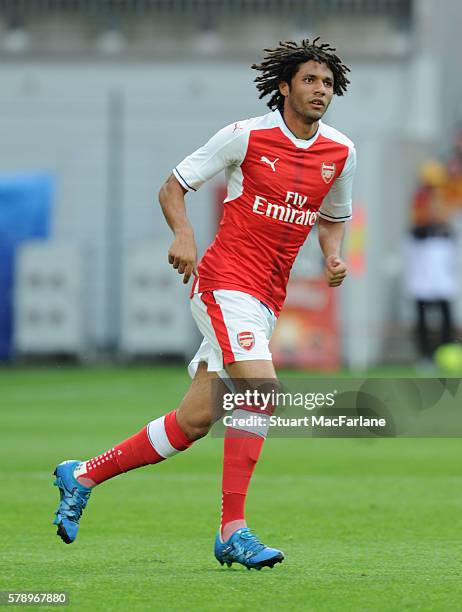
x=306 y=334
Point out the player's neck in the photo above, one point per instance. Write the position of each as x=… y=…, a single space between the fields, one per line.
x=299 y=126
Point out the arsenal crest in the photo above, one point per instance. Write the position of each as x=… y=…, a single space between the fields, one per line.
x=327 y=171
x=246 y=340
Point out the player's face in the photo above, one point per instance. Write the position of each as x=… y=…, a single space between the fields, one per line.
x=310 y=91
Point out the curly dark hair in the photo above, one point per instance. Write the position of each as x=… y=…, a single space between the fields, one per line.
x=281 y=64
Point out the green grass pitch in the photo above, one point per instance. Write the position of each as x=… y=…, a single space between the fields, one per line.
x=365 y=524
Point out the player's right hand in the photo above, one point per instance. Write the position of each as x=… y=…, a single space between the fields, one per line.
x=182 y=255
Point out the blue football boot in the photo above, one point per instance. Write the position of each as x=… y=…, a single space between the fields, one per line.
x=73 y=499
x=245 y=548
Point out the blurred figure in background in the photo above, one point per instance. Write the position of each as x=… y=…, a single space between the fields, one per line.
x=431 y=257
x=452 y=189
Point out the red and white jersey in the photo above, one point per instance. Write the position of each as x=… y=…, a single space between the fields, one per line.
x=278 y=184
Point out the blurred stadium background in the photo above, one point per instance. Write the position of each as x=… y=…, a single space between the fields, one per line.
x=100 y=99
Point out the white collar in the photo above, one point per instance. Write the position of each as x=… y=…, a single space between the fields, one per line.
x=301 y=143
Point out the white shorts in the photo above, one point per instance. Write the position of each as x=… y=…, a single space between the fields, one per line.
x=236 y=327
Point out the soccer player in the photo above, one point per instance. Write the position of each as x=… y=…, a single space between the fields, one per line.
x=285 y=172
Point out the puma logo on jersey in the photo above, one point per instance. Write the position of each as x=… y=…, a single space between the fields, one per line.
x=270 y=163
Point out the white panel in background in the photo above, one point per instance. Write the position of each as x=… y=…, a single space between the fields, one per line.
x=48 y=299
x=156 y=318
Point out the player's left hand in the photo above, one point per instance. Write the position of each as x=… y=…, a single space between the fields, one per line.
x=335 y=271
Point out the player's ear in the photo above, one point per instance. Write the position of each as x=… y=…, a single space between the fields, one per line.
x=284 y=88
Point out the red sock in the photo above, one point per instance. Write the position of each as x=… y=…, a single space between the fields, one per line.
x=159 y=440
x=241 y=452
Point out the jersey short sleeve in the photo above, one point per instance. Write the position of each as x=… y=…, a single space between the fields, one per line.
x=226 y=148
x=337 y=205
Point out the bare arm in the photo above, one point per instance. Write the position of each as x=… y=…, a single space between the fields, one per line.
x=330 y=240
x=183 y=251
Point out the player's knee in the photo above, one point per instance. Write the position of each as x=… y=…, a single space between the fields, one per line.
x=198 y=431
x=198 y=425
